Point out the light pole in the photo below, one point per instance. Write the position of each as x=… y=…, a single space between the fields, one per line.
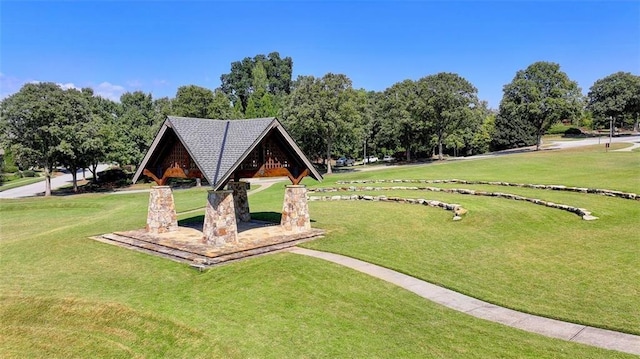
x=610 y=129
x=364 y=159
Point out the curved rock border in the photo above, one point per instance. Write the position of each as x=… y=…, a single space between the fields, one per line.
x=600 y=191
x=582 y=212
x=457 y=209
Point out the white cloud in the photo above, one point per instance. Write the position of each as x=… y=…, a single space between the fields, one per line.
x=67 y=86
x=109 y=90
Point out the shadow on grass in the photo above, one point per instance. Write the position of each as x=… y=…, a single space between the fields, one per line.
x=271 y=217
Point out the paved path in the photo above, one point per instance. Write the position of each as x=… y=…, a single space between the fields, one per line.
x=37 y=189
x=634 y=140
x=602 y=338
x=265 y=183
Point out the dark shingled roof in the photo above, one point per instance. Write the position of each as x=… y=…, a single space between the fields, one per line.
x=219 y=146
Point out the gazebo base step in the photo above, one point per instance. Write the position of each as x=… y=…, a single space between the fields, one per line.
x=185 y=244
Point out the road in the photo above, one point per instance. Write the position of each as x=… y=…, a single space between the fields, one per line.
x=635 y=140
x=37 y=189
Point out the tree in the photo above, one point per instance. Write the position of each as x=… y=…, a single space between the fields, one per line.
x=372 y=120
x=323 y=110
x=35 y=119
x=260 y=102
x=238 y=84
x=102 y=140
x=221 y=106
x=134 y=127
x=481 y=141
x=193 y=101
x=535 y=99
x=444 y=104
x=76 y=133
x=399 y=127
x=616 y=96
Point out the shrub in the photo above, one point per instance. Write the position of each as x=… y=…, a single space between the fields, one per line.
x=557 y=129
x=8 y=163
x=10 y=168
x=573 y=131
x=29 y=173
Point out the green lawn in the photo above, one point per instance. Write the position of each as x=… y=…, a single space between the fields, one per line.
x=64 y=295
x=516 y=254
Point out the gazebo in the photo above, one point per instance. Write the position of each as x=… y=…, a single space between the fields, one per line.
x=222 y=153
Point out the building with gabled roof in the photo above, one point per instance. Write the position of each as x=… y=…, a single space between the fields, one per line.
x=223 y=150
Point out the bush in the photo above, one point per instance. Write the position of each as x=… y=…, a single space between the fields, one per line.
x=112 y=175
x=8 y=163
x=573 y=131
x=557 y=129
x=29 y=173
x=10 y=168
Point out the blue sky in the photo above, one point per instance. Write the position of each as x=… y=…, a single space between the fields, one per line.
x=157 y=46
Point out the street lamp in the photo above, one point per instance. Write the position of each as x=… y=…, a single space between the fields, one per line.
x=610 y=129
x=364 y=159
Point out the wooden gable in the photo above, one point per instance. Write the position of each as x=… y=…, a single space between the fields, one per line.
x=272 y=157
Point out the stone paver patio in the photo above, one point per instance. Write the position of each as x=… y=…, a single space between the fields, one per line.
x=186 y=244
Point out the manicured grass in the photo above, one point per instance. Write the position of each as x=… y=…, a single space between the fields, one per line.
x=582 y=167
x=69 y=296
x=512 y=253
x=64 y=295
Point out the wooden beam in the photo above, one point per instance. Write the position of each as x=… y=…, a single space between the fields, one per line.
x=272 y=172
x=297 y=180
x=172 y=172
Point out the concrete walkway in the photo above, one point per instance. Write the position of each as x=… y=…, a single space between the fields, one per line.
x=633 y=140
x=37 y=189
x=602 y=338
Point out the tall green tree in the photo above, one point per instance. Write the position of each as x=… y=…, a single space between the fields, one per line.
x=239 y=83
x=475 y=135
x=162 y=107
x=616 y=96
x=538 y=97
x=134 y=125
x=323 y=110
x=76 y=133
x=444 y=104
x=193 y=101
x=102 y=141
x=372 y=123
x=399 y=127
x=260 y=102
x=221 y=106
x=297 y=117
x=36 y=120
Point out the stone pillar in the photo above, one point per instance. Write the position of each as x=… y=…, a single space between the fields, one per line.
x=240 y=200
x=220 y=226
x=295 y=210
x=161 y=216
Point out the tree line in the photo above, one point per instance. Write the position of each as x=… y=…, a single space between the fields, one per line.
x=45 y=126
